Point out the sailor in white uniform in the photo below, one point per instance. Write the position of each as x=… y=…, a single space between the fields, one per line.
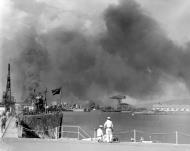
x=100 y=133
x=108 y=125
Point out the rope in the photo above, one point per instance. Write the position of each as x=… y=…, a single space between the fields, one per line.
x=184 y=134
x=162 y=133
x=85 y=132
x=82 y=136
x=139 y=131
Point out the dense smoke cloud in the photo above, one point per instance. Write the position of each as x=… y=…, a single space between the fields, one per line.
x=172 y=15
x=126 y=53
x=31 y=62
x=142 y=45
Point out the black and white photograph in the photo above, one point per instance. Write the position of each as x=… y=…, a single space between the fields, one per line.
x=94 y=75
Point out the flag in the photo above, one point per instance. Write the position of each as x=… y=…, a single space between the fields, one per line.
x=56 y=91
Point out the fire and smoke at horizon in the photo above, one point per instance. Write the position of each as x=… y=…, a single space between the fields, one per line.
x=117 y=48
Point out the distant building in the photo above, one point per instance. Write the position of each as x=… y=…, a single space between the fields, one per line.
x=2 y=109
x=124 y=107
x=122 y=102
x=171 y=108
x=20 y=106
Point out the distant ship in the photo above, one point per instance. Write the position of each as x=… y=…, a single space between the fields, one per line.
x=78 y=110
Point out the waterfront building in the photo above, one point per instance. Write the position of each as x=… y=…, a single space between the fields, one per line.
x=171 y=108
x=2 y=108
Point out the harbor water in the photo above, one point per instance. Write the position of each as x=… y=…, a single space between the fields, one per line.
x=157 y=128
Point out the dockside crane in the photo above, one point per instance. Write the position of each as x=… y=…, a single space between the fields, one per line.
x=8 y=99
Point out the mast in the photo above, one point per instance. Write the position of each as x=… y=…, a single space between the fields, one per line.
x=8 y=90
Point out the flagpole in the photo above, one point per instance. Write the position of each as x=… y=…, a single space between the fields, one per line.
x=61 y=96
x=45 y=101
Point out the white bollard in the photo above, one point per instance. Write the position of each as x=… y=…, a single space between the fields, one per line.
x=61 y=131
x=134 y=135
x=56 y=133
x=78 y=133
x=19 y=131
x=94 y=133
x=176 y=137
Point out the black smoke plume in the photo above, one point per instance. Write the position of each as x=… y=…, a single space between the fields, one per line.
x=130 y=57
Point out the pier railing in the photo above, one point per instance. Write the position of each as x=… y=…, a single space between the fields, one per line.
x=70 y=131
x=76 y=132
x=175 y=137
x=64 y=131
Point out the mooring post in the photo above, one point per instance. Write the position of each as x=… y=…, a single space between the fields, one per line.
x=43 y=134
x=78 y=133
x=20 y=129
x=176 y=137
x=94 y=133
x=61 y=131
x=134 y=135
x=56 y=133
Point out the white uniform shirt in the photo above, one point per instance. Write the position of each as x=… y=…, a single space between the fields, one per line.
x=100 y=132
x=7 y=114
x=108 y=124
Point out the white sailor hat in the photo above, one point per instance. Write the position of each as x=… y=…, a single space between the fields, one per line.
x=100 y=125
x=108 y=118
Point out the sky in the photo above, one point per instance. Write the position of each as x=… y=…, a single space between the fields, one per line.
x=90 y=29
x=172 y=15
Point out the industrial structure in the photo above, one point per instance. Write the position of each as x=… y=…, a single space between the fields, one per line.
x=8 y=100
x=121 y=105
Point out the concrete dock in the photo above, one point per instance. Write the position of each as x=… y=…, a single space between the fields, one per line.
x=23 y=144
x=11 y=130
x=11 y=142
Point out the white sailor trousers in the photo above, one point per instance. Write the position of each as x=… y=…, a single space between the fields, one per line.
x=109 y=135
